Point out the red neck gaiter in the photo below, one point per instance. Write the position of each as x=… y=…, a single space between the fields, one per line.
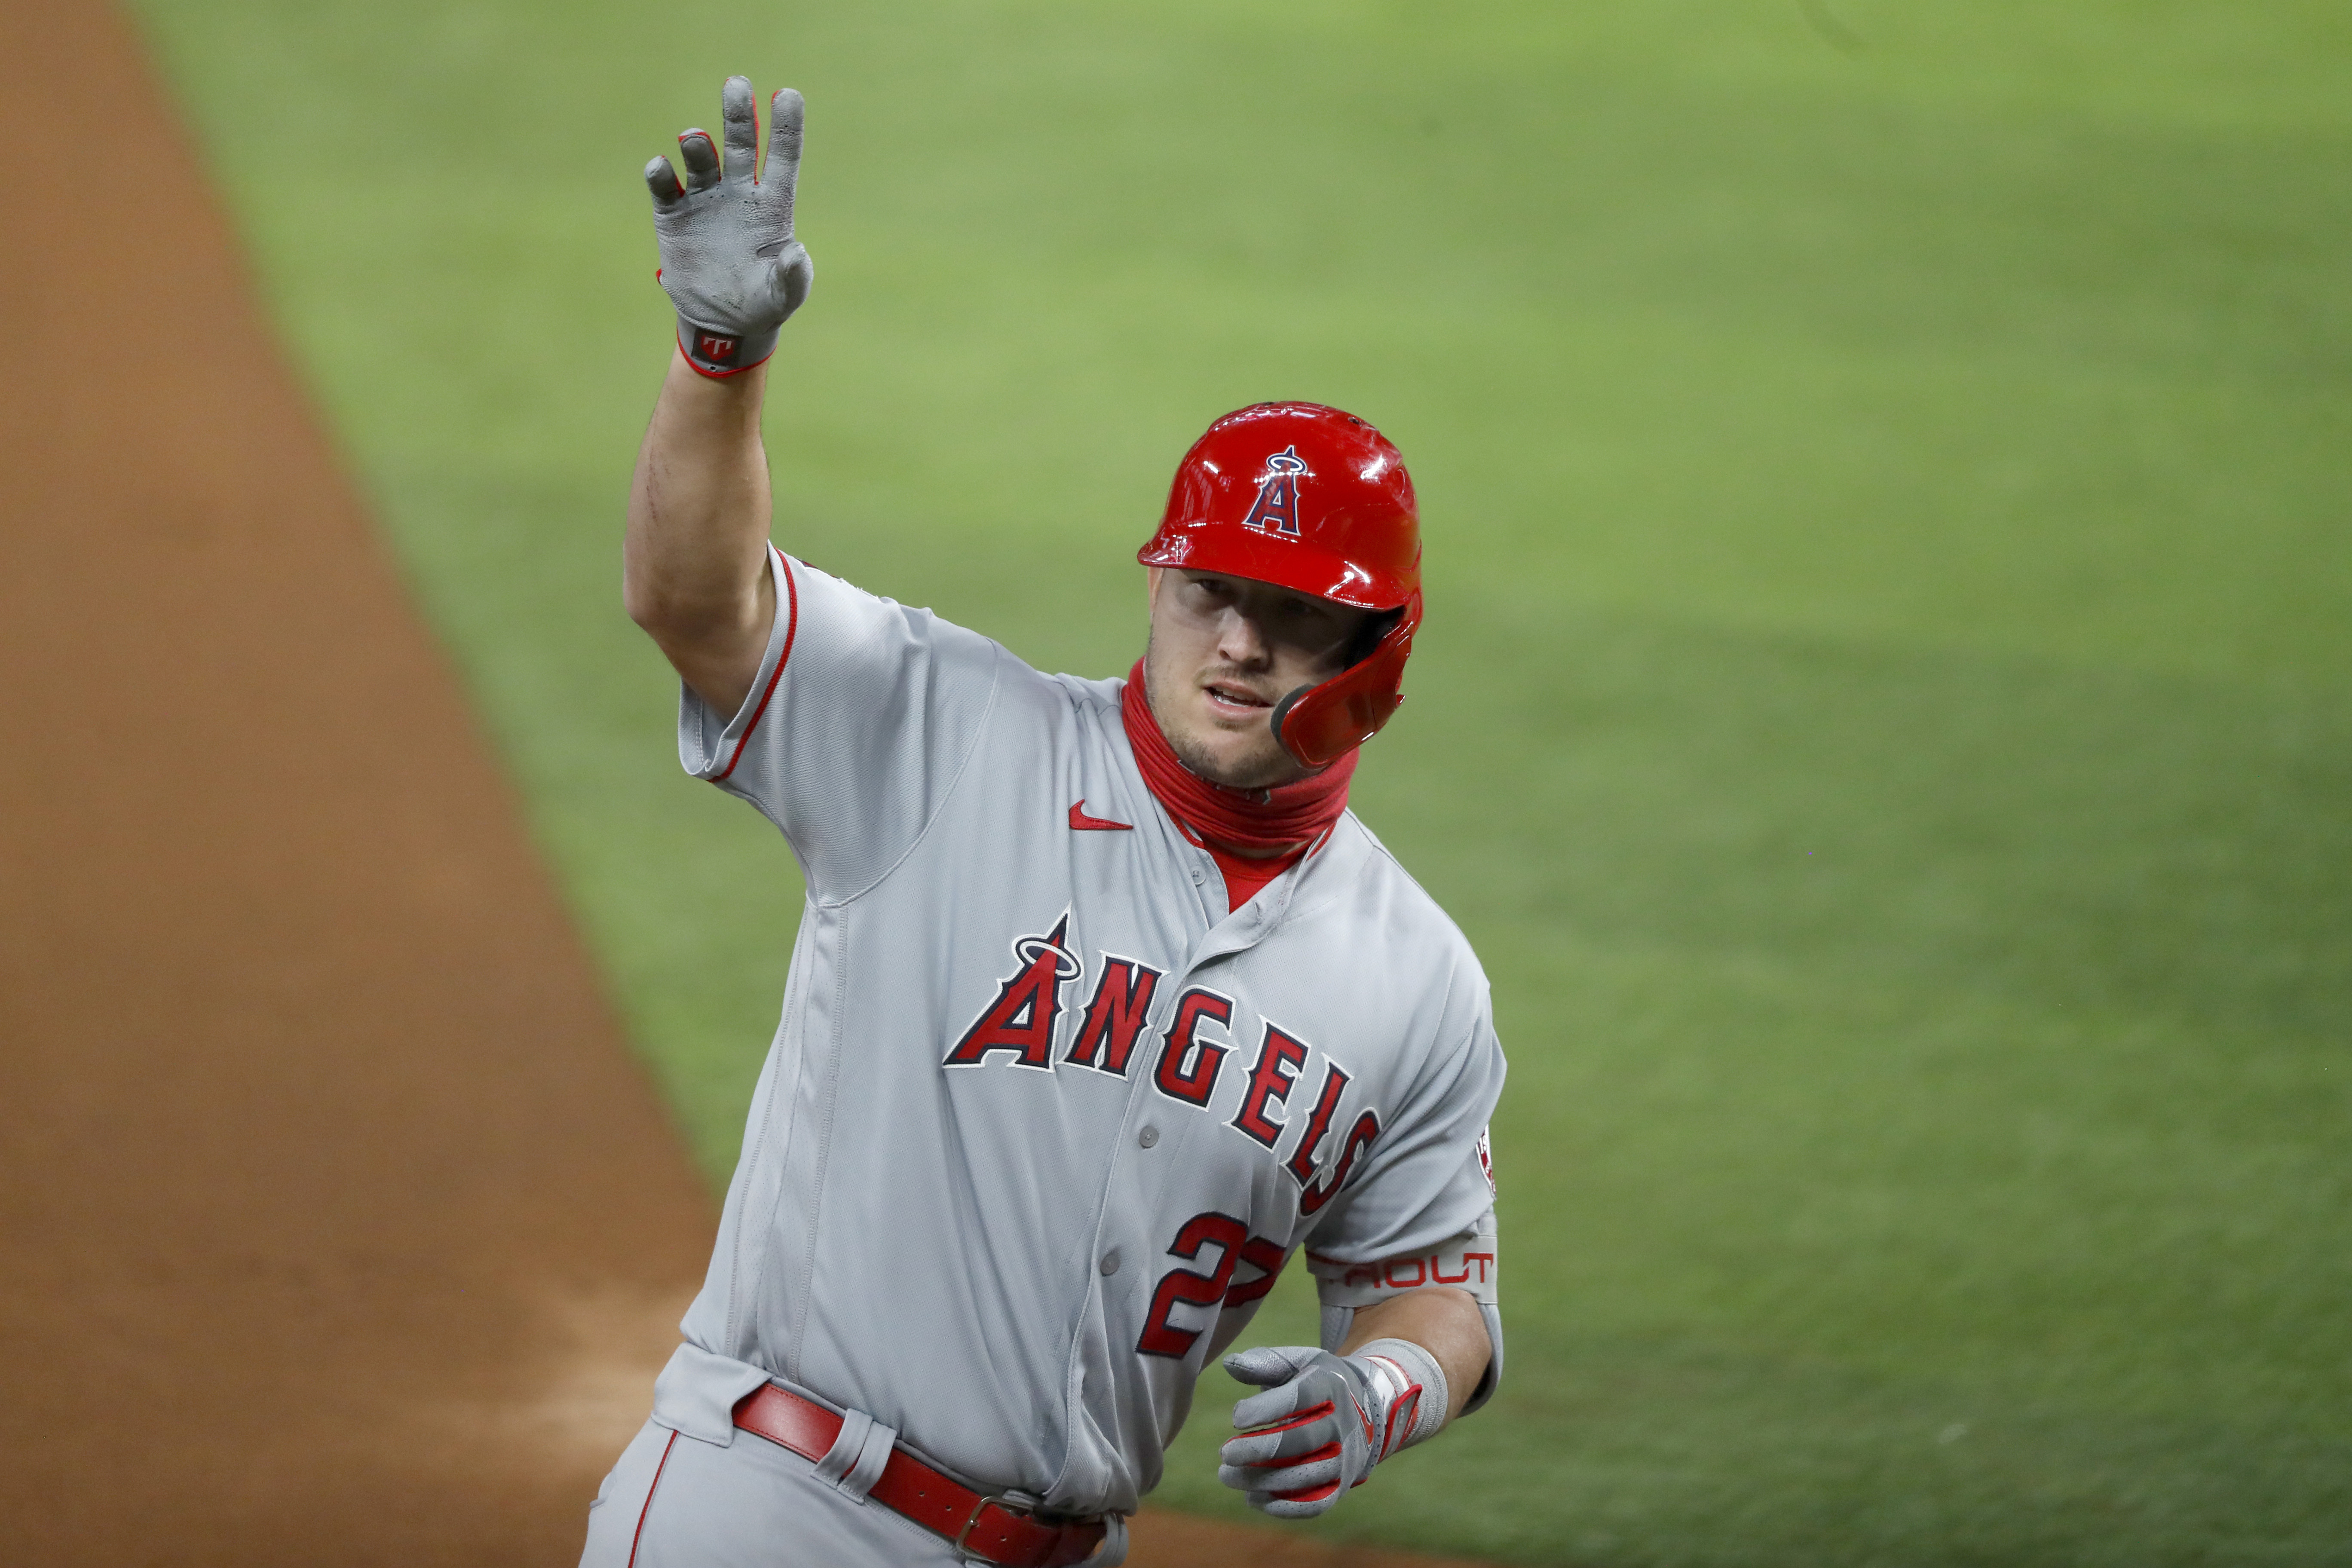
x=1274 y=818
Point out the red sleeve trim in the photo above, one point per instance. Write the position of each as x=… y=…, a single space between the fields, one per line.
x=791 y=630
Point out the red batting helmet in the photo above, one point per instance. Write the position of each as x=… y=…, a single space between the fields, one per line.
x=1313 y=499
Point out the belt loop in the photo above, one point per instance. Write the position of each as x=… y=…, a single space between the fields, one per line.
x=1113 y=1548
x=873 y=1454
x=847 y=1445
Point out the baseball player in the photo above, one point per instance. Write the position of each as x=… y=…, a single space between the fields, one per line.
x=1103 y=1007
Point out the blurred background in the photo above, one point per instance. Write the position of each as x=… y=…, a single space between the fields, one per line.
x=1882 y=717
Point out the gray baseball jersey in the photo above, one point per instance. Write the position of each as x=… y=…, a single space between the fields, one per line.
x=1041 y=1109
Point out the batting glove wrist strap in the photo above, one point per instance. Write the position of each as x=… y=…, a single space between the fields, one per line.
x=1402 y=1365
x=718 y=352
x=1323 y=1421
x=729 y=260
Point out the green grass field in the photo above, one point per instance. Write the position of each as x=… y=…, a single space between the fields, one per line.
x=1884 y=712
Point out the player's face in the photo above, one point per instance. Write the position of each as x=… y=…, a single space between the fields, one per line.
x=1223 y=651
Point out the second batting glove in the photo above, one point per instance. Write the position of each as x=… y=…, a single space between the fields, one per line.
x=1325 y=1420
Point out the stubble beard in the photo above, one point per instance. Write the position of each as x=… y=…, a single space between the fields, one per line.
x=1266 y=767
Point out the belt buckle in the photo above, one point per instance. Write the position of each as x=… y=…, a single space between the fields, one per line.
x=1000 y=1500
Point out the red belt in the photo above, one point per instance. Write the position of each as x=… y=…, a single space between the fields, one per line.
x=982 y=1527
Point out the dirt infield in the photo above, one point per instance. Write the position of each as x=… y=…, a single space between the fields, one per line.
x=333 y=1200
x=336 y=1224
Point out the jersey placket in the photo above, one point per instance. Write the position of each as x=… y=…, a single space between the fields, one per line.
x=1239 y=931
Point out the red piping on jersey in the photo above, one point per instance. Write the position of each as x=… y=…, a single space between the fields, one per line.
x=792 y=629
x=1280 y=818
x=649 y=1507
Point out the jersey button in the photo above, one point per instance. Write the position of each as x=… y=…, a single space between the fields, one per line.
x=1199 y=875
x=1110 y=1261
x=1148 y=1137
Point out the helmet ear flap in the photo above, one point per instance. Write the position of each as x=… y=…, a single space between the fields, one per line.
x=1373 y=632
x=1319 y=724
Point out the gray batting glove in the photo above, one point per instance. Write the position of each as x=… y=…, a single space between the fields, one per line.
x=727 y=256
x=1323 y=1422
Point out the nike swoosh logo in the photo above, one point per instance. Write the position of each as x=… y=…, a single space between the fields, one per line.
x=1082 y=822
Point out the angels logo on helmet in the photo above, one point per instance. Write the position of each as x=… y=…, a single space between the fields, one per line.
x=1275 y=510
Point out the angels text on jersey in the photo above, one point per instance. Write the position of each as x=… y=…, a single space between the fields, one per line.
x=1021 y=1027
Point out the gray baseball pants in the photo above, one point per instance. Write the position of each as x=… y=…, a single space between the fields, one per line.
x=675 y=1501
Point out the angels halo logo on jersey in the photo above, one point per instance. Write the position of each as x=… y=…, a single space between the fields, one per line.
x=1027 y=1005
x=1275 y=510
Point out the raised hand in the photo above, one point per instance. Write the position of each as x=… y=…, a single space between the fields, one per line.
x=728 y=259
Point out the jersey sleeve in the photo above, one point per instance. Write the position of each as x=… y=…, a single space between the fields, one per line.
x=1425 y=1178
x=857 y=727
x=1421 y=1211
